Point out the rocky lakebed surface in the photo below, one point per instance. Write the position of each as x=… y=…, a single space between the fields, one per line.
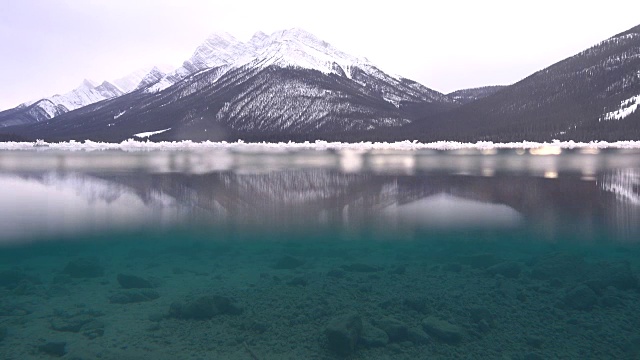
x=320 y=300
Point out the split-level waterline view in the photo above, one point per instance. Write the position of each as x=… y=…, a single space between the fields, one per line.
x=275 y=194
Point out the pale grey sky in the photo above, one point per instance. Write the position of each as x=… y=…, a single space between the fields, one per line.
x=50 y=46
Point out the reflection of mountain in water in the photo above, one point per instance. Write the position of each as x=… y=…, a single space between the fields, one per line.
x=53 y=204
x=291 y=196
x=447 y=211
x=95 y=189
x=323 y=196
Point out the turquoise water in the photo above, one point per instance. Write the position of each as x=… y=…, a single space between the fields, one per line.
x=319 y=255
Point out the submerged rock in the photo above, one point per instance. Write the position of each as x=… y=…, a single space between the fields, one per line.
x=84 y=268
x=559 y=266
x=399 y=270
x=535 y=341
x=617 y=275
x=418 y=336
x=479 y=261
x=418 y=304
x=74 y=324
x=14 y=309
x=336 y=273
x=372 y=336
x=581 y=297
x=93 y=329
x=57 y=349
x=11 y=279
x=452 y=267
x=205 y=307
x=287 y=263
x=533 y=356
x=442 y=330
x=611 y=297
x=343 y=333
x=133 y=282
x=364 y=268
x=85 y=322
x=509 y=269
x=395 y=329
x=133 y=296
x=298 y=281
x=479 y=314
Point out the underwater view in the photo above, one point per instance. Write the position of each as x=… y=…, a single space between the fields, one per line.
x=320 y=254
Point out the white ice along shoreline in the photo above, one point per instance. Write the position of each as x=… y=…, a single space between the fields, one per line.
x=544 y=148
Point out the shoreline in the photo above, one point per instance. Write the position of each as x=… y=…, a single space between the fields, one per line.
x=133 y=145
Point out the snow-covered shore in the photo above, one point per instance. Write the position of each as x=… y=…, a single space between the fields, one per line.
x=133 y=145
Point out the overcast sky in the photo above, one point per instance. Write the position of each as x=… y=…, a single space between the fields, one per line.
x=50 y=46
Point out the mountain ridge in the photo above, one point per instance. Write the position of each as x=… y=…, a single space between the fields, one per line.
x=565 y=101
x=289 y=82
x=290 y=85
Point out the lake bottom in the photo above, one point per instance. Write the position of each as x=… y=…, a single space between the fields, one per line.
x=320 y=293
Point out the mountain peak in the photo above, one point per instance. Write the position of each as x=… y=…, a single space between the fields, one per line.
x=222 y=37
x=294 y=32
x=88 y=84
x=298 y=48
x=257 y=38
x=151 y=78
x=259 y=34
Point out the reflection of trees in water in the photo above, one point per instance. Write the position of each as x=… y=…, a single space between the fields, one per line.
x=625 y=212
x=625 y=183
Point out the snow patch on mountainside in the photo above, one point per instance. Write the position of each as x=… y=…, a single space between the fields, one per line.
x=160 y=85
x=119 y=114
x=627 y=107
x=48 y=107
x=150 y=133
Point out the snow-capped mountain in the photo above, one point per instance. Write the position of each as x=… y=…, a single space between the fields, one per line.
x=294 y=48
x=289 y=84
x=130 y=82
x=153 y=76
x=86 y=94
x=48 y=108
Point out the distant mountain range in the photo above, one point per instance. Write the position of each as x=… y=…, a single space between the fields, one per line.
x=290 y=85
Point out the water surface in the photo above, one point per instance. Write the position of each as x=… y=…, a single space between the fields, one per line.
x=320 y=254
